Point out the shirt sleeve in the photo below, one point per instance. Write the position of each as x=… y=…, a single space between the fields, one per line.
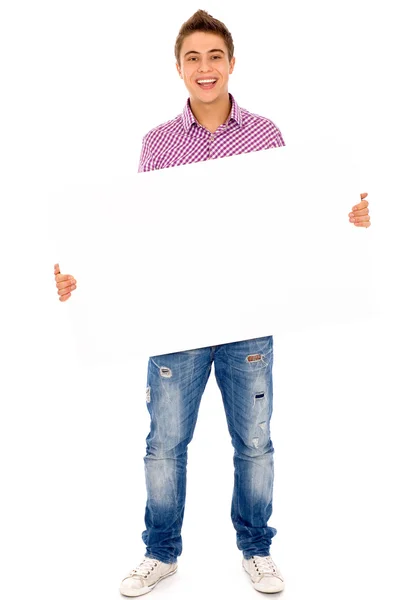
x=278 y=141
x=146 y=162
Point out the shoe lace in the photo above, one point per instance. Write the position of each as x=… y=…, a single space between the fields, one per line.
x=265 y=565
x=146 y=566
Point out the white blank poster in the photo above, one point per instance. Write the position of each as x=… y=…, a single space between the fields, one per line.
x=215 y=252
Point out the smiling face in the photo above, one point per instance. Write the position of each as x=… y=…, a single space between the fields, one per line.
x=204 y=56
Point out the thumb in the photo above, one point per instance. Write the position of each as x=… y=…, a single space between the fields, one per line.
x=56 y=269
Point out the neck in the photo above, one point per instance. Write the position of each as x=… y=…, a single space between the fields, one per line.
x=213 y=114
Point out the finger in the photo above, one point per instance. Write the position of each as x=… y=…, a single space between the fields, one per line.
x=62 y=278
x=64 y=291
x=65 y=278
x=359 y=213
x=64 y=298
x=62 y=285
x=361 y=223
x=56 y=269
x=366 y=225
x=361 y=205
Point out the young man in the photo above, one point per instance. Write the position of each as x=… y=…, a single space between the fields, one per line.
x=211 y=126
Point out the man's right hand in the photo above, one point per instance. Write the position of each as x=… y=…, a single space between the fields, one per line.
x=65 y=284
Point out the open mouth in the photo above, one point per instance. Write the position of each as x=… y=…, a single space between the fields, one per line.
x=206 y=84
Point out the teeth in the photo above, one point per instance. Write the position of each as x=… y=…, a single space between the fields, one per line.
x=206 y=80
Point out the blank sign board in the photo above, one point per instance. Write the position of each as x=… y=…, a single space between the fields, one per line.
x=214 y=252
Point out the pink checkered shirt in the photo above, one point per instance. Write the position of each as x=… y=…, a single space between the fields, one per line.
x=183 y=140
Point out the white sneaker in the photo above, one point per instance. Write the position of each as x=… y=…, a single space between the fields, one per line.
x=146 y=576
x=265 y=575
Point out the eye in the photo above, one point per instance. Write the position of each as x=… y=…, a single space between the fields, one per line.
x=216 y=56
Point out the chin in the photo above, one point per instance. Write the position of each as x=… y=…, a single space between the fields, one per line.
x=207 y=99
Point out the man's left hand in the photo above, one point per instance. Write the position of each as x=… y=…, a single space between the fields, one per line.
x=360 y=214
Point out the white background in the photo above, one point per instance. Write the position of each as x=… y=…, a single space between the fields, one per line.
x=82 y=82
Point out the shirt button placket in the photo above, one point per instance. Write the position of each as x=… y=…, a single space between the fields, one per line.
x=211 y=140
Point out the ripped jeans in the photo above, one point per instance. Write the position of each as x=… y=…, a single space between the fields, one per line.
x=175 y=385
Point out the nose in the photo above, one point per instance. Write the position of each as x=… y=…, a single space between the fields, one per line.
x=204 y=65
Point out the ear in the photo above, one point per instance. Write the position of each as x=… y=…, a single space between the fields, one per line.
x=232 y=65
x=179 y=70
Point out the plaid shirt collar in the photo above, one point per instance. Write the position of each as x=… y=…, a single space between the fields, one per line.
x=189 y=118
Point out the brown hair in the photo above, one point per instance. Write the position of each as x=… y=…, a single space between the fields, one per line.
x=202 y=21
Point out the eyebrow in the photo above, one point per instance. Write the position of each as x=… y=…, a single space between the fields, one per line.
x=209 y=51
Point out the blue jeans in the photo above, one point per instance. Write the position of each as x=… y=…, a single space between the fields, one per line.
x=175 y=385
